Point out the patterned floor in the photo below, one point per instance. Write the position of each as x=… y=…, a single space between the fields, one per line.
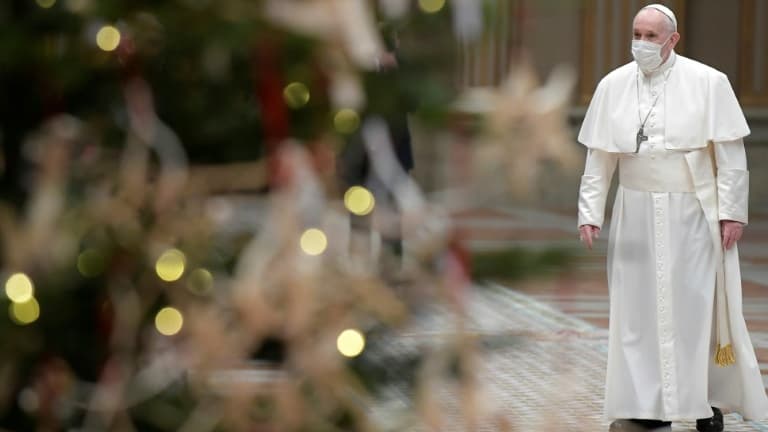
x=545 y=341
x=564 y=366
x=583 y=292
x=541 y=368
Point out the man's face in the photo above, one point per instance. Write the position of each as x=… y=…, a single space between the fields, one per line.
x=653 y=26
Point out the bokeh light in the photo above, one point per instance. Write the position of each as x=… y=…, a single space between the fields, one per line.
x=431 y=6
x=313 y=241
x=90 y=263
x=170 y=266
x=169 y=321
x=78 y=5
x=19 y=288
x=296 y=95
x=46 y=4
x=26 y=312
x=346 y=121
x=350 y=343
x=359 y=200
x=108 y=38
x=200 y=281
x=29 y=401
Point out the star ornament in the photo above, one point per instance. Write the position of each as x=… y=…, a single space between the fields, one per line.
x=525 y=124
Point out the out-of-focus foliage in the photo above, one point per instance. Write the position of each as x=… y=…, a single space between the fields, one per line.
x=154 y=306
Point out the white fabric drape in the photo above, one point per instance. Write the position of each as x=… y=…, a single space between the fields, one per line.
x=661 y=298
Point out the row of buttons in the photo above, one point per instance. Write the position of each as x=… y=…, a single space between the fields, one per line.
x=653 y=112
x=666 y=347
x=654 y=93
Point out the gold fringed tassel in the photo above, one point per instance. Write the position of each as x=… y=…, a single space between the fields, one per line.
x=724 y=355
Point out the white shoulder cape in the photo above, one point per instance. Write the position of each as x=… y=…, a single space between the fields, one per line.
x=700 y=106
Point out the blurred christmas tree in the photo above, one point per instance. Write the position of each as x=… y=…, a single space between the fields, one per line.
x=135 y=300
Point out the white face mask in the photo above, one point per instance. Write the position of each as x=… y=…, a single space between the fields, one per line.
x=648 y=54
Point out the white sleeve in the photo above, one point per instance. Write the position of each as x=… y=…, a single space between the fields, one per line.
x=595 y=182
x=732 y=180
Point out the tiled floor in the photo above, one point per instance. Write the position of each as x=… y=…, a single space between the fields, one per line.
x=562 y=361
x=582 y=291
x=542 y=368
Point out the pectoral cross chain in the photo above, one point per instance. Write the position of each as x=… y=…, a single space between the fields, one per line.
x=640 y=138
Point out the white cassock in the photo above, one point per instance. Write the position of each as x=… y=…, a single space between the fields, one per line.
x=664 y=253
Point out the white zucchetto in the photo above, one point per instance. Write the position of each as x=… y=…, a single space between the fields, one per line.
x=666 y=11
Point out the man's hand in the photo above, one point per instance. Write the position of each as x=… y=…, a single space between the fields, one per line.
x=587 y=233
x=730 y=231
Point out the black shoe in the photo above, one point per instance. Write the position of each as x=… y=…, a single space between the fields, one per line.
x=711 y=424
x=638 y=425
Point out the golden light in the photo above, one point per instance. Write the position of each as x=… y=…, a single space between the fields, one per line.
x=346 y=121
x=313 y=242
x=350 y=343
x=200 y=281
x=90 y=263
x=46 y=4
x=169 y=321
x=296 y=95
x=19 y=288
x=170 y=266
x=26 y=312
x=431 y=6
x=108 y=38
x=359 y=200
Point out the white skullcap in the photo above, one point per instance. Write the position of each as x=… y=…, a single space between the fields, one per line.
x=666 y=11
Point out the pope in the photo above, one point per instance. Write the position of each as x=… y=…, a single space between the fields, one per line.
x=678 y=344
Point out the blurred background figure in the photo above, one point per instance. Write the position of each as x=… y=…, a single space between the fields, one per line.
x=381 y=232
